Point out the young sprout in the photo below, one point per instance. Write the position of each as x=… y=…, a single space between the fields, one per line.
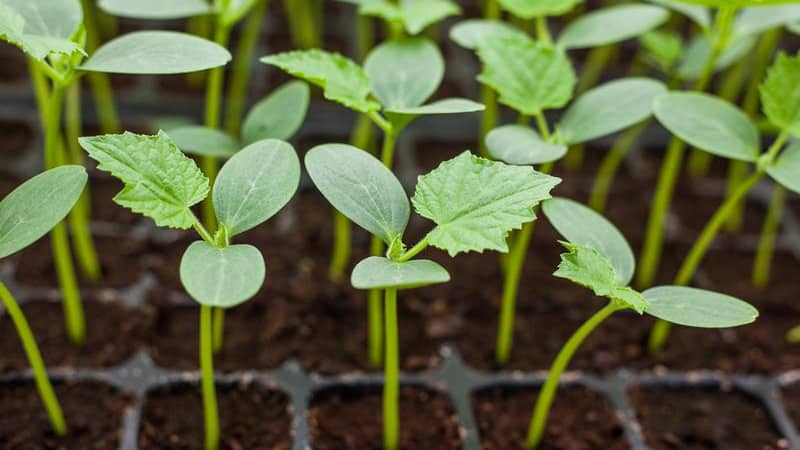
x=723 y=130
x=27 y=214
x=407 y=16
x=163 y=184
x=474 y=203
x=598 y=257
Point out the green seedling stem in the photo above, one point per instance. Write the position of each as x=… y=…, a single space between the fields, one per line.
x=766 y=243
x=391 y=391
x=303 y=26
x=211 y=414
x=98 y=81
x=198 y=26
x=489 y=118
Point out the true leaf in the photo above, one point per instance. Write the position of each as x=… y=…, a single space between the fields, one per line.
x=361 y=188
x=444 y=106
x=475 y=202
x=160 y=182
x=377 y=272
x=786 y=168
x=341 y=79
x=157 y=52
x=405 y=72
x=36 y=206
x=199 y=140
x=255 y=184
x=583 y=226
x=698 y=308
x=222 y=277
x=760 y=19
x=41 y=27
x=155 y=9
x=520 y=145
x=530 y=9
x=611 y=25
x=469 y=33
x=528 y=76
x=709 y=123
x=279 y=115
x=780 y=93
x=609 y=108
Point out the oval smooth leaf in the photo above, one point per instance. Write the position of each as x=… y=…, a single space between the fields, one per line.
x=157 y=53
x=521 y=145
x=709 y=123
x=469 y=33
x=609 y=108
x=155 y=9
x=786 y=168
x=583 y=226
x=530 y=9
x=405 y=72
x=444 y=106
x=255 y=184
x=694 y=307
x=758 y=20
x=222 y=276
x=611 y=25
x=36 y=206
x=698 y=14
x=361 y=188
x=204 y=141
x=377 y=272
x=279 y=115
x=698 y=51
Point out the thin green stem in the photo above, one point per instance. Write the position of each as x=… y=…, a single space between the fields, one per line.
x=547 y=394
x=488 y=118
x=43 y=385
x=342 y=243
x=769 y=232
x=611 y=163
x=541 y=123
x=219 y=329
x=391 y=387
x=99 y=82
x=374 y=314
x=200 y=26
x=202 y=231
x=542 y=31
x=595 y=65
x=210 y=413
x=737 y=172
x=304 y=30
x=415 y=250
x=514 y=266
x=491 y=10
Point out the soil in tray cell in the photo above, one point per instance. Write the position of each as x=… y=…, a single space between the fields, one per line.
x=350 y=419
x=251 y=417
x=579 y=420
x=703 y=419
x=93 y=411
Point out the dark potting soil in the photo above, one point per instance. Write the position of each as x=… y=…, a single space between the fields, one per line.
x=114 y=332
x=13 y=67
x=251 y=418
x=579 y=420
x=93 y=411
x=17 y=138
x=351 y=419
x=103 y=189
x=703 y=419
x=791 y=401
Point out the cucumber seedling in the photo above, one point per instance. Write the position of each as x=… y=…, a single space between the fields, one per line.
x=598 y=257
x=162 y=183
x=474 y=203
x=27 y=214
x=410 y=17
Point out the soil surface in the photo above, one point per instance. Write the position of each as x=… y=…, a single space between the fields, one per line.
x=791 y=401
x=93 y=412
x=350 y=419
x=251 y=418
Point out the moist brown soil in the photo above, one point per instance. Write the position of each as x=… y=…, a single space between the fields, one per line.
x=350 y=419
x=703 y=419
x=17 y=138
x=13 y=67
x=93 y=412
x=251 y=418
x=114 y=332
x=579 y=420
x=103 y=189
x=791 y=401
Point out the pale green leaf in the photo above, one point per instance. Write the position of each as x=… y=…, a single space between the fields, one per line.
x=36 y=206
x=664 y=49
x=786 y=168
x=361 y=188
x=709 y=123
x=200 y=140
x=521 y=145
x=157 y=52
x=780 y=93
x=738 y=3
x=405 y=72
x=611 y=25
x=528 y=76
x=222 y=277
x=279 y=115
x=236 y=10
x=469 y=33
x=698 y=308
x=529 y=9
x=419 y=14
x=255 y=184
x=444 y=106
x=475 y=202
x=377 y=272
x=41 y=27
x=155 y=9
x=342 y=80
x=699 y=50
x=160 y=182
x=760 y=19
x=698 y=14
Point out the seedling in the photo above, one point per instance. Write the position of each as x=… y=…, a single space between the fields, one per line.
x=407 y=16
x=27 y=214
x=474 y=203
x=721 y=129
x=163 y=184
x=598 y=257
x=51 y=33
x=397 y=79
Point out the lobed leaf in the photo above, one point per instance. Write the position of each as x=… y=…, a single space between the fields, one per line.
x=36 y=206
x=160 y=182
x=530 y=9
x=341 y=79
x=222 y=277
x=475 y=202
x=377 y=272
x=760 y=19
x=471 y=32
x=204 y=141
x=405 y=72
x=444 y=106
x=611 y=25
x=521 y=145
x=698 y=308
x=279 y=115
x=41 y=27
x=786 y=168
x=780 y=93
x=155 y=9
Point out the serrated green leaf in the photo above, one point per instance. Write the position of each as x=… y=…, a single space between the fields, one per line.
x=155 y=9
x=361 y=188
x=528 y=76
x=698 y=14
x=609 y=108
x=157 y=53
x=377 y=272
x=760 y=19
x=204 y=141
x=41 y=27
x=404 y=72
x=475 y=202
x=611 y=25
x=342 y=80
x=279 y=115
x=444 y=106
x=709 y=123
x=521 y=145
x=699 y=50
x=698 y=308
x=664 y=49
x=36 y=206
x=222 y=277
x=786 y=168
x=530 y=9
x=160 y=182
x=469 y=33
x=255 y=184
x=780 y=93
